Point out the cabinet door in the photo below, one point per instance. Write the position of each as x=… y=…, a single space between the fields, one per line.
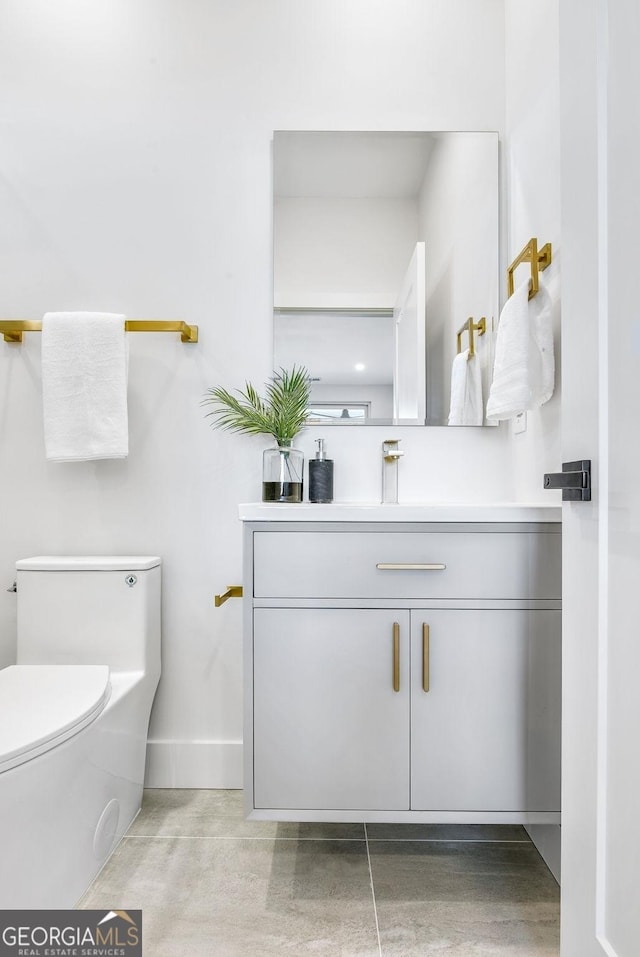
x=486 y=733
x=330 y=729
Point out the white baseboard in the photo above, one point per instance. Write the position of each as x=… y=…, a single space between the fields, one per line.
x=194 y=764
x=546 y=838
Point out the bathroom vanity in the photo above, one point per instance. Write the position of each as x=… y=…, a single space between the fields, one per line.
x=402 y=663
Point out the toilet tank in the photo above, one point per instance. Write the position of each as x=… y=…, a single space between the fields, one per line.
x=90 y=610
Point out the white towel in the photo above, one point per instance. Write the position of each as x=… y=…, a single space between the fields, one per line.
x=84 y=386
x=524 y=368
x=466 y=391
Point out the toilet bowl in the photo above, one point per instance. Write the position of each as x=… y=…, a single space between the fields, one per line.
x=45 y=705
x=74 y=715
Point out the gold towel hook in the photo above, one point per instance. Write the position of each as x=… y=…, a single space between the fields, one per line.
x=539 y=260
x=470 y=326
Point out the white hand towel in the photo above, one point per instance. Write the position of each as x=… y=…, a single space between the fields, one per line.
x=541 y=357
x=84 y=386
x=466 y=391
x=524 y=370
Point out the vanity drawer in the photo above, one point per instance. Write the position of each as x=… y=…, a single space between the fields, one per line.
x=463 y=564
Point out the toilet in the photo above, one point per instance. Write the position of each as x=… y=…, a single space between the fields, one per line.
x=74 y=717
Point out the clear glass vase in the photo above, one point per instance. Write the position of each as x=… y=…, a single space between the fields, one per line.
x=282 y=473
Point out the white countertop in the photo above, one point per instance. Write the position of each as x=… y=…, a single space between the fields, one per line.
x=375 y=512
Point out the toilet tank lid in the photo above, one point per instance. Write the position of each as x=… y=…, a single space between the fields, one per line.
x=112 y=563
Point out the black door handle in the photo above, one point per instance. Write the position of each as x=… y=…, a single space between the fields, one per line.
x=574 y=480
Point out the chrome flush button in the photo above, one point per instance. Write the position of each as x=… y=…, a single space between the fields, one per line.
x=131 y=580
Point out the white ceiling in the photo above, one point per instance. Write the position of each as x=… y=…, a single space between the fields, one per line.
x=364 y=164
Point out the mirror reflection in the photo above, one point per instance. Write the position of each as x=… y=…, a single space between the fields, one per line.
x=384 y=245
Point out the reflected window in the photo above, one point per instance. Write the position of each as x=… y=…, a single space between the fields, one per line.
x=335 y=411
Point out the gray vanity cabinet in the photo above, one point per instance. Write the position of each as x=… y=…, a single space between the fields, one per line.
x=485 y=709
x=402 y=673
x=329 y=729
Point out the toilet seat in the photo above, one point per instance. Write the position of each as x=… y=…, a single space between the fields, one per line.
x=43 y=705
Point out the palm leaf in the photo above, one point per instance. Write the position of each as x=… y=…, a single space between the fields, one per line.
x=283 y=413
x=288 y=398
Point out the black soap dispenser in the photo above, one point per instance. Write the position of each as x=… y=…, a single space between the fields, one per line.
x=320 y=476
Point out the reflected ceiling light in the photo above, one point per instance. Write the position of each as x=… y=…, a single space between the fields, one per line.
x=359 y=367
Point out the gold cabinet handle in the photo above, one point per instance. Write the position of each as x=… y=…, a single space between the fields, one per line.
x=411 y=566
x=425 y=657
x=233 y=591
x=396 y=656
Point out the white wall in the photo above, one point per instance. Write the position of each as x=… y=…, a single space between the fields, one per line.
x=457 y=213
x=532 y=168
x=348 y=252
x=532 y=189
x=135 y=176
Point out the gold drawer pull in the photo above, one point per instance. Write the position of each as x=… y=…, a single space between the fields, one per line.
x=411 y=566
x=425 y=657
x=396 y=656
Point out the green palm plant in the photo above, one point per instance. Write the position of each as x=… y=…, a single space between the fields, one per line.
x=282 y=413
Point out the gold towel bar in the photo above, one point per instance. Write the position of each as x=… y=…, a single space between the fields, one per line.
x=12 y=329
x=470 y=326
x=539 y=260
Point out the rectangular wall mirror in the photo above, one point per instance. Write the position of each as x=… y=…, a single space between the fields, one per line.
x=385 y=244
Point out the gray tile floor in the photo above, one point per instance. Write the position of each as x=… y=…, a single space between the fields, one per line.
x=213 y=885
